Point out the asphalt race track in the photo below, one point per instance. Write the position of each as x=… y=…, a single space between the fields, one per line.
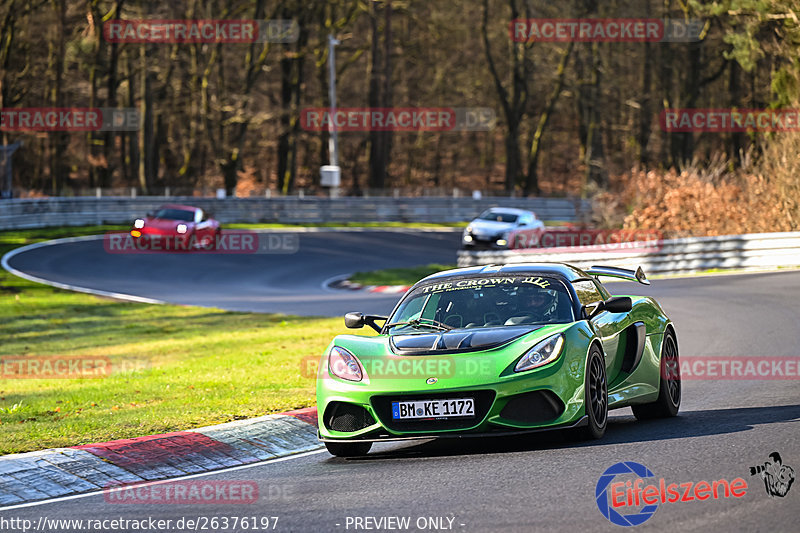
x=288 y=283
x=541 y=482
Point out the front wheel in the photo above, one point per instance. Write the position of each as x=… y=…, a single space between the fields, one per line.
x=669 y=389
x=595 y=396
x=348 y=449
x=209 y=242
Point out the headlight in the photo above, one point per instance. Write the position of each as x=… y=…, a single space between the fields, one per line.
x=468 y=230
x=181 y=228
x=467 y=238
x=345 y=365
x=138 y=223
x=502 y=239
x=544 y=352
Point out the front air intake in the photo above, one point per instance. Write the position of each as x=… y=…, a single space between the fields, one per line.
x=533 y=407
x=347 y=417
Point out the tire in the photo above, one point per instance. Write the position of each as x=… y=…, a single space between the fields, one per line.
x=209 y=242
x=669 y=388
x=189 y=239
x=348 y=449
x=595 y=396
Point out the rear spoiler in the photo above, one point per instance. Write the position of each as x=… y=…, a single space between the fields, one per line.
x=622 y=273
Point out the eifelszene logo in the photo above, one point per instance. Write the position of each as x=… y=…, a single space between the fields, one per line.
x=778 y=477
x=608 y=509
x=630 y=500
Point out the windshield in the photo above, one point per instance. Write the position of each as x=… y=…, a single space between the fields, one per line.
x=480 y=302
x=175 y=214
x=498 y=216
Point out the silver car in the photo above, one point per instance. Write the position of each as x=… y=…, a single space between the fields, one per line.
x=492 y=229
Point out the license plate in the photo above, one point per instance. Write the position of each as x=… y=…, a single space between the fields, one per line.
x=408 y=410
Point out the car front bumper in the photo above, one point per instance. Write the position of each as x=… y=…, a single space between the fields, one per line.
x=546 y=398
x=481 y=242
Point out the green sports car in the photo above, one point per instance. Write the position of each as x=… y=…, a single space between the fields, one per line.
x=496 y=350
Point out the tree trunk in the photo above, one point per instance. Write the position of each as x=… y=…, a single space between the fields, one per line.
x=380 y=94
x=735 y=97
x=292 y=66
x=146 y=139
x=512 y=101
x=106 y=173
x=532 y=177
x=691 y=89
x=589 y=103
x=131 y=159
x=645 y=102
x=58 y=139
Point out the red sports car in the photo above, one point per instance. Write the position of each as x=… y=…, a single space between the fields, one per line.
x=178 y=227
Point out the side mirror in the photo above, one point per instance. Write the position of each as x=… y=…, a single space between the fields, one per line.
x=356 y=320
x=618 y=304
x=615 y=304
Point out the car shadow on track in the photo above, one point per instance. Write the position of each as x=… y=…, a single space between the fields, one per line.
x=621 y=429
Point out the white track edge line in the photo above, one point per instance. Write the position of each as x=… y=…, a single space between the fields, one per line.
x=96 y=292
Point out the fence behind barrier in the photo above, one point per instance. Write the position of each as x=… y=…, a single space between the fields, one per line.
x=80 y=211
x=748 y=252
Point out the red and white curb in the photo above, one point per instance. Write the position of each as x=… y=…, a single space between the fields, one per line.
x=59 y=472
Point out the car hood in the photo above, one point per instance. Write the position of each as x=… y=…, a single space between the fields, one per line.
x=491 y=226
x=458 y=340
x=164 y=223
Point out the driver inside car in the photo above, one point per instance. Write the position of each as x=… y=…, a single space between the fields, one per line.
x=539 y=306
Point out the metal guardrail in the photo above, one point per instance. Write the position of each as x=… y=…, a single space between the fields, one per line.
x=80 y=211
x=747 y=252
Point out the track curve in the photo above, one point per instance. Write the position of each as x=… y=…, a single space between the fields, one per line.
x=268 y=283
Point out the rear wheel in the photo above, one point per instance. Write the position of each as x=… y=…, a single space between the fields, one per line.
x=595 y=396
x=348 y=449
x=209 y=241
x=669 y=389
